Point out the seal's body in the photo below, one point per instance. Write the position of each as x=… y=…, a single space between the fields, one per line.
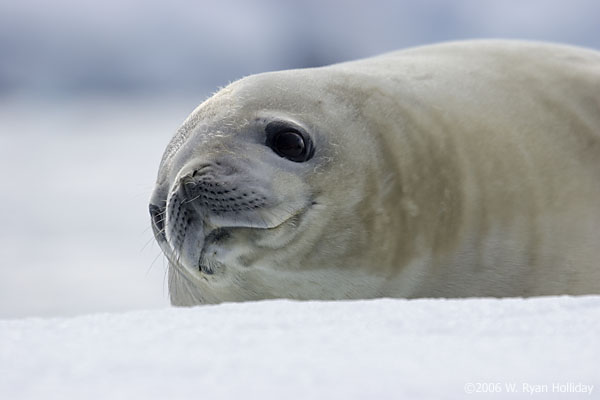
x=454 y=170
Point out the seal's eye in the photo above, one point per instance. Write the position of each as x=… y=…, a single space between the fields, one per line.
x=289 y=142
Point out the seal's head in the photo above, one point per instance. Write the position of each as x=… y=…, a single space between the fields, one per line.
x=266 y=191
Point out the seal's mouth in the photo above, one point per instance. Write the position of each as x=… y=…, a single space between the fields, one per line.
x=216 y=237
x=190 y=252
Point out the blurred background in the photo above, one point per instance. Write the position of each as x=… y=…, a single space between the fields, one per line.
x=91 y=92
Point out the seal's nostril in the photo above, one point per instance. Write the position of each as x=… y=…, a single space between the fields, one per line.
x=202 y=169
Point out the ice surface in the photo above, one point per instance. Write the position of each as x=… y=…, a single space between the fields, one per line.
x=376 y=349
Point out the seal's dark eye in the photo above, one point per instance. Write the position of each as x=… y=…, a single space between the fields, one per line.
x=289 y=142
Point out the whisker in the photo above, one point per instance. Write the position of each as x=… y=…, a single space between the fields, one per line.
x=193 y=199
x=146 y=230
x=147 y=243
x=166 y=268
x=152 y=263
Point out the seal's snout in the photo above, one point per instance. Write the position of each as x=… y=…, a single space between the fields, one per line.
x=204 y=202
x=216 y=189
x=183 y=228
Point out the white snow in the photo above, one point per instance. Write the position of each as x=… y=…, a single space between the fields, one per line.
x=376 y=349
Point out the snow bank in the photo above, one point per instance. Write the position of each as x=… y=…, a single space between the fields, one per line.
x=374 y=349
